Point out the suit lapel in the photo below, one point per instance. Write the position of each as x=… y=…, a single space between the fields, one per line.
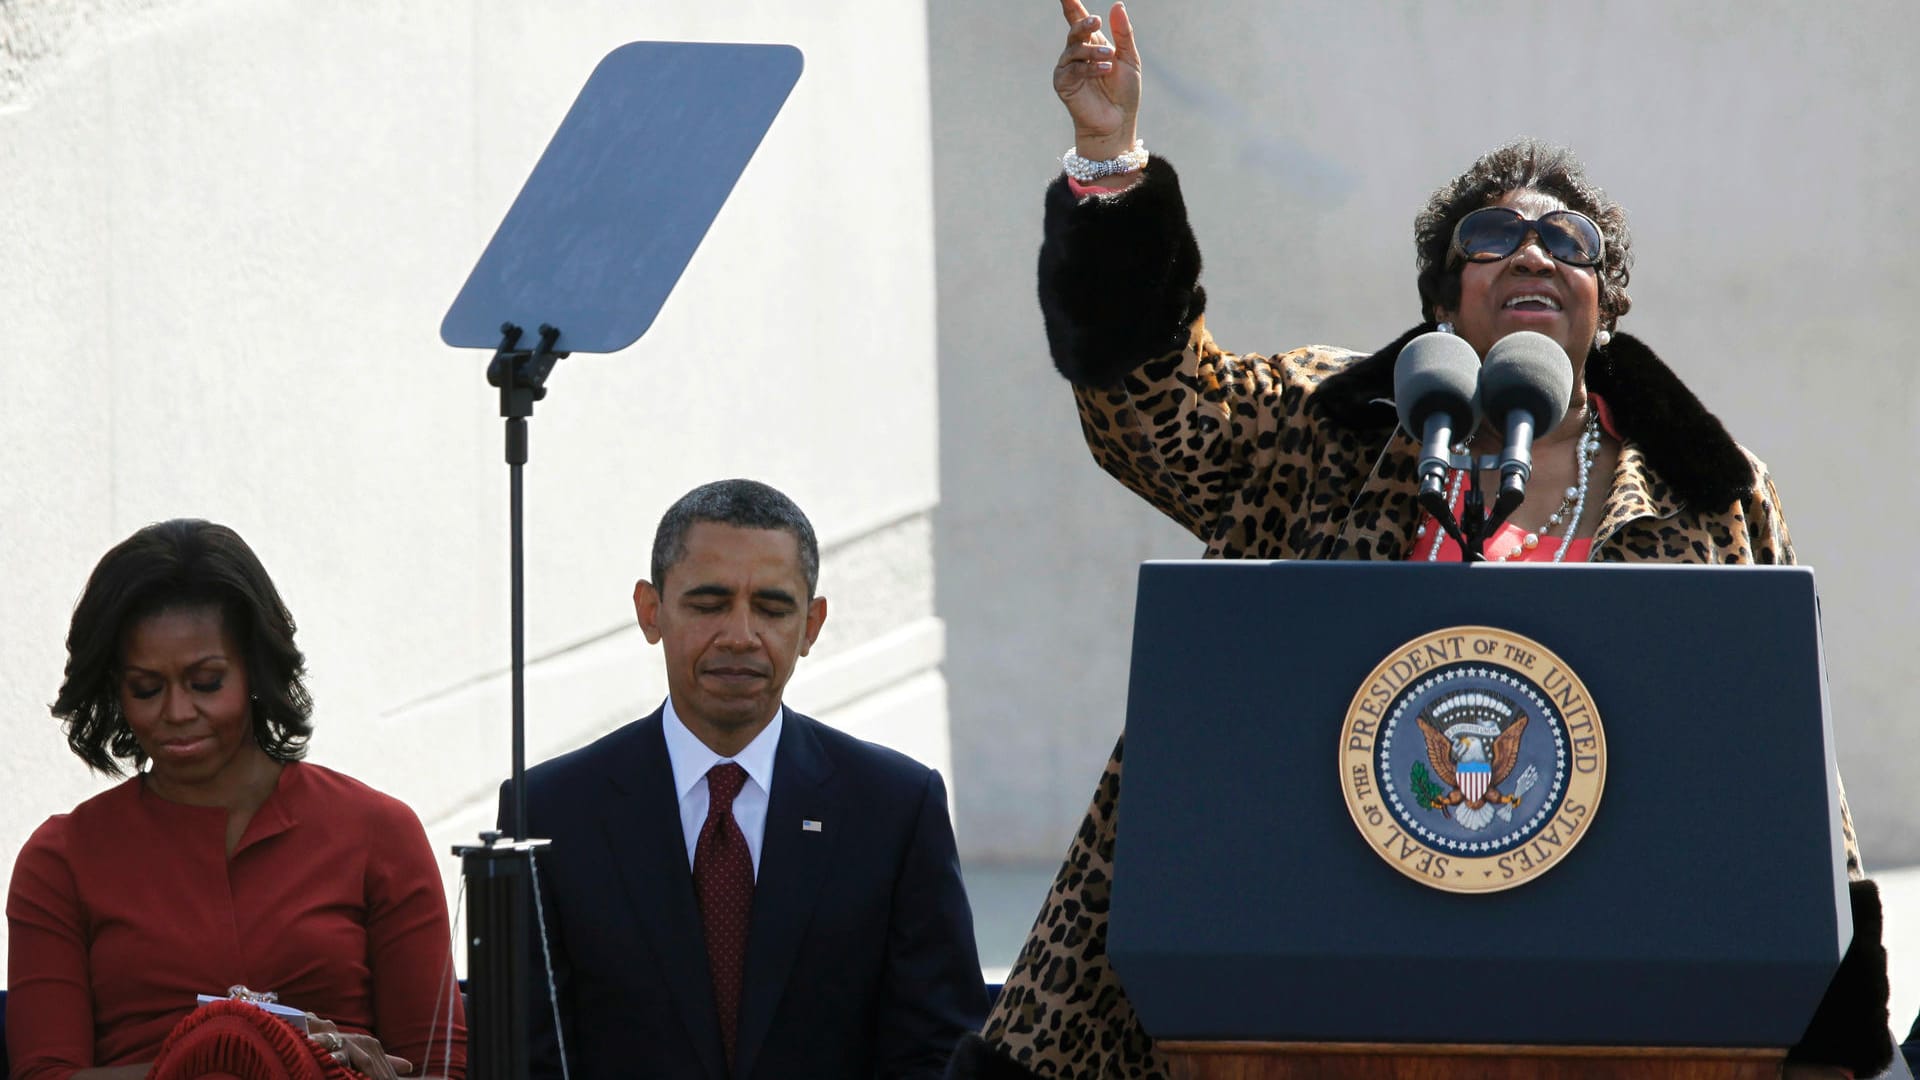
x=794 y=858
x=641 y=816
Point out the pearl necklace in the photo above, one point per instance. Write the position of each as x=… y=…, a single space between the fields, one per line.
x=1572 y=506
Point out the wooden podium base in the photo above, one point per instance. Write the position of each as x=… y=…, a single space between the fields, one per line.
x=1442 y=1061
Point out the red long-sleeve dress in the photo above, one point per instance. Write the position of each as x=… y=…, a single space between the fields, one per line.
x=124 y=910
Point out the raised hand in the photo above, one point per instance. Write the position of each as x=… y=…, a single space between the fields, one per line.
x=1098 y=79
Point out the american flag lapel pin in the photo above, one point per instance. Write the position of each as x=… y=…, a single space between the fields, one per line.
x=809 y=825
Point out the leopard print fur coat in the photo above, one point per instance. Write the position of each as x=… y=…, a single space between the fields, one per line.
x=1294 y=456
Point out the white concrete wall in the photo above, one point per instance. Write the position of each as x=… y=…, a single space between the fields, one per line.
x=228 y=231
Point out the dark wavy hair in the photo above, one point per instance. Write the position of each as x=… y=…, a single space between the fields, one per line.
x=1518 y=166
x=744 y=504
x=184 y=563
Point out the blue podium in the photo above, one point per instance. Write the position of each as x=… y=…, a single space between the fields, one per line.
x=1694 y=913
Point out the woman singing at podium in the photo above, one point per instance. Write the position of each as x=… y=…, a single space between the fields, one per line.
x=1300 y=455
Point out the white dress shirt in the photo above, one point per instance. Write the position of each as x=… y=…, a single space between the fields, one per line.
x=691 y=759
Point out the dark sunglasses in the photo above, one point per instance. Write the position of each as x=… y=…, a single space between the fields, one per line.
x=1492 y=233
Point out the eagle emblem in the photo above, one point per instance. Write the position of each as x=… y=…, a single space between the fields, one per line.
x=1472 y=759
x=1473 y=742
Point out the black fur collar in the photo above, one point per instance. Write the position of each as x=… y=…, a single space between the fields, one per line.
x=1685 y=444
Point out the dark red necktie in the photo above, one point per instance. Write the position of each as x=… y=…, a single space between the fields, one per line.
x=723 y=876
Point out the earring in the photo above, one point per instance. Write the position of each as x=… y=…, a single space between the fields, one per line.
x=1445 y=328
x=1600 y=339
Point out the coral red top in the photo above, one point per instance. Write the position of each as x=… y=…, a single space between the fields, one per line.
x=1507 y=542
x=125 y=909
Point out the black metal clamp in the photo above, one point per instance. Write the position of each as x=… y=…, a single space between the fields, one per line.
x=521 y=375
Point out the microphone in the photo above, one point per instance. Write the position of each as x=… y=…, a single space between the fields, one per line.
x=1526 y=383
x=1434 y=380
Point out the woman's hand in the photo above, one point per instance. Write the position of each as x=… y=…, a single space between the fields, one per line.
x=361 y=1053
x=1098 y=80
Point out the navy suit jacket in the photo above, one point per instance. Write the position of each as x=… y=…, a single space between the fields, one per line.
x=860 y=952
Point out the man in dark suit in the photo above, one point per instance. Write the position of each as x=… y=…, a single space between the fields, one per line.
x=733 y=889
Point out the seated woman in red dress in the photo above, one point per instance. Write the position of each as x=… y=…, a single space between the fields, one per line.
x=224 y=860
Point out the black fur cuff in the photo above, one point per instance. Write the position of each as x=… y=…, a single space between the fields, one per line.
x=1849 y=1029
x=1118 y=277
x=977 y=1059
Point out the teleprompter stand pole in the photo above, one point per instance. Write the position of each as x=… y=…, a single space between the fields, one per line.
x=521 y=375
x=499 y=871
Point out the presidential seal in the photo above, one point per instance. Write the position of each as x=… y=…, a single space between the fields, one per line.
x=1472 y=759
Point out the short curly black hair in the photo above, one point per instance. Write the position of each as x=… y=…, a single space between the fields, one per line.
x=184 y=563
x=1519 y=166
x=744 y=504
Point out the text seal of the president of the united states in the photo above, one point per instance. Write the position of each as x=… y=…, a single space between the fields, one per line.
x=1472 y=759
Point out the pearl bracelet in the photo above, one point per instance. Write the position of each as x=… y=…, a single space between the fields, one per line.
x=1087 y=171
